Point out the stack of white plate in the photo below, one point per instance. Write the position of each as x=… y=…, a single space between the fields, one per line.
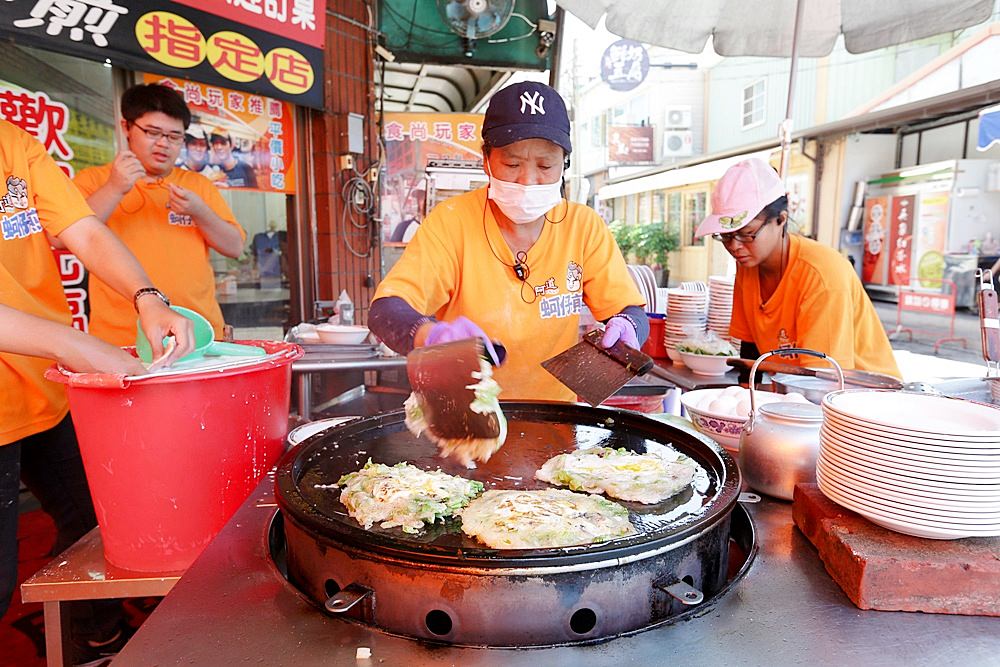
x=685 y=318
x=917 y=464
x=720 y=304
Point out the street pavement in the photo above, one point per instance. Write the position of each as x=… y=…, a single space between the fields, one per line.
x=917 y=358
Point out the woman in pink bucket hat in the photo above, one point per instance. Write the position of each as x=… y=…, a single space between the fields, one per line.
x=790 y=291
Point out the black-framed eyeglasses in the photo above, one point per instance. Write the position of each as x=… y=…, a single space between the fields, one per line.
x=742 y=237
x=155 y=134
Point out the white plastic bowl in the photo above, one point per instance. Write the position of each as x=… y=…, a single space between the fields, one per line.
x=705 y=364
x=724 y=429
x=342 y=334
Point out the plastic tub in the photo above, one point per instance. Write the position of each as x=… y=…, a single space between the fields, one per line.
x=654 y=346
x=169 y=458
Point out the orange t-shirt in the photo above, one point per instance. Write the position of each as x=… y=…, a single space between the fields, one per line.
x=820 y=305
x=35 y=197
x=458 y=263
x=169 y=246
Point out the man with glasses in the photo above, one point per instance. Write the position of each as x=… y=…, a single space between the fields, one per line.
x=168 y=217
x=790 y=291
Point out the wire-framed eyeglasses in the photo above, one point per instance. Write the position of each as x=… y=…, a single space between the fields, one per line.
x=742 y=237
x=155 y=134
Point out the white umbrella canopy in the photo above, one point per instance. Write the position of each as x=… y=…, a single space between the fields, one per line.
x=779 y=28
x=766 y=27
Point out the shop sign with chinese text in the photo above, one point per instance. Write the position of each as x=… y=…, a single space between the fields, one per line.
x=260 y=133
x=275 y=50
x=630 y=145
x=624 y=65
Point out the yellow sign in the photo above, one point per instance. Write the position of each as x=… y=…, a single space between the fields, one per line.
x=171 y=39
x=289 y=70
x=235 y=56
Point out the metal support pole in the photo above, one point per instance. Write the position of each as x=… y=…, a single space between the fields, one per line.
x=785 y=133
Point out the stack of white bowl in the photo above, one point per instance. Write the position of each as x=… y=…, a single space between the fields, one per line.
x=917 y=464
x=685 y=318
x=720 y=304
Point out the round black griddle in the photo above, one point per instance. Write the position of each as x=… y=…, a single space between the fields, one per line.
x=536 y=432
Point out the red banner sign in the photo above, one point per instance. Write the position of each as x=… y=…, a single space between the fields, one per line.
x=298 y=20
x=901 y=239
x=873 y=266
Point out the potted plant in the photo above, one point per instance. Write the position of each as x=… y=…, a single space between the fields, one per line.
x=653 y=243
x=625 y=236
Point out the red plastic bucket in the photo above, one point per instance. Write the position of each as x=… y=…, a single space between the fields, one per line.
x=170 y=458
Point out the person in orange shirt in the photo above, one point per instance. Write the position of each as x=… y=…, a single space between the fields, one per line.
x=790 y=291
x=37 y=440
x=168 y=217
x=515 y=261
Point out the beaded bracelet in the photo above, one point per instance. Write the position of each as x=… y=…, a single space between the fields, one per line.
x=416 y=327
x=628 y=318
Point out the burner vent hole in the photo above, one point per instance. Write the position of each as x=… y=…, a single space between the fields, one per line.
x=689 y=580
x=583 y=621
x=438 y=622
x=331 y=588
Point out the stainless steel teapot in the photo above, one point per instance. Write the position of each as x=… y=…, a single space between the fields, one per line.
x=780 y=441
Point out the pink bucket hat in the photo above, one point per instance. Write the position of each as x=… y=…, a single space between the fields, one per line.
x=742 y=193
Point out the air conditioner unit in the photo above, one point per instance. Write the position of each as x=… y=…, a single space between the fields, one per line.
x=678 y=143
x=677 y=117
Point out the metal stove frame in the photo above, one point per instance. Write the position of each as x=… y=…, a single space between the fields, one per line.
x=233 y=606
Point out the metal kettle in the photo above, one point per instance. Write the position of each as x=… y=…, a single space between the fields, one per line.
x=780 y=441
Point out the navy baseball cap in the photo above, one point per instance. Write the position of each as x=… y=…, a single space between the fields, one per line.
x=527 y=110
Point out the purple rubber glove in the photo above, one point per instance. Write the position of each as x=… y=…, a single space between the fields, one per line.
x=460 y=329
x=619 y=328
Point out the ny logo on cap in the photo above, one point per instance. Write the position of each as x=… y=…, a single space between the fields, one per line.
x=535 y=101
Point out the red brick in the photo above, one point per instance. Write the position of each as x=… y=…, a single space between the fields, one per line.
x=881 y=569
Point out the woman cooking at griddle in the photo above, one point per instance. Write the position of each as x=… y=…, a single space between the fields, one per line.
x=790 y=291
x=515 y=261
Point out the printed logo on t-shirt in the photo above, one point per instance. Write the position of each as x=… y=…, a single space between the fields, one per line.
x=17 y=195
x=574 y=276
x=786 y=343
x=20 y=225
x=548 y=287
x=180 y=219
x=560 y=305
x=17 y=224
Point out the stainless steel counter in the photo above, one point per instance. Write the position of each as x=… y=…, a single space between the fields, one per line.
x=233 y=607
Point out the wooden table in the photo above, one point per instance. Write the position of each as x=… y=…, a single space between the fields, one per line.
x=82 y=573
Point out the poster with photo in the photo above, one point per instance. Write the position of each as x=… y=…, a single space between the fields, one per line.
x=236 y=139
x=411 y=140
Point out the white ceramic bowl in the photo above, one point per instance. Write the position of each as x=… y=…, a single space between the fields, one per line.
x=342 y=334
x=724 y=429
x=705 y=364
x=300 y=433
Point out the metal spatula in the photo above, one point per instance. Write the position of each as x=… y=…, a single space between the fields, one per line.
x=442 y=374
x=854 y=377
x=595 y=373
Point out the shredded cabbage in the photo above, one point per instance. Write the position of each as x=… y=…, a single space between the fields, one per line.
x=486 y=401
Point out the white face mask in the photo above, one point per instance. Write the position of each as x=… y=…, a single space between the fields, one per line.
x=523 y=203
